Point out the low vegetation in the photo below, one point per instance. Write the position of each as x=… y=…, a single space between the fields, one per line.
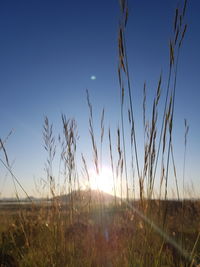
x=133 y=227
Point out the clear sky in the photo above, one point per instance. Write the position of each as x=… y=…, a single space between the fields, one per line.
x=50 y=49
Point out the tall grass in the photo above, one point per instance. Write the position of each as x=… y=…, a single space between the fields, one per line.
x=75 y=227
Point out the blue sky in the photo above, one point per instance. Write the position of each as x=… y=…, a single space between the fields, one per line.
x=50 y=49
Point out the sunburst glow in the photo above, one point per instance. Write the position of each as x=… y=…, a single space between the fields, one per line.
x=102 y=181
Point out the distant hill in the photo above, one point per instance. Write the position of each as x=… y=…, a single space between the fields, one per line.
x=78 y=196
x=81 y=196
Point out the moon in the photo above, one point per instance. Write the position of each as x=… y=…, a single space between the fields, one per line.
x=93 y=77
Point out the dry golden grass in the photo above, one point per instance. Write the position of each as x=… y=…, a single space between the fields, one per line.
x=84 y=231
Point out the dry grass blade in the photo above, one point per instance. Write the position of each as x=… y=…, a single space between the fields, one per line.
x=91 y=130
x=180 y=20
x=123 y=4
x=50 y=147
x=175 y=175
x=186 y=130
x=86 y=169
x=102 y=126
x=102 y=135
x=175 y=20
x=121 y=46
x=120 y=159
x=119 y=76
x=112 y=163
x=144 y=107
x=6 y=139
x=183 y=34
x=158 y=93
x=126 y=17
x=123 y=64
x=193 y=250
x=4 y=151
x=16 y=179
x=171 y=54
x=122 y=95
x=177 y=35
x=185 y=7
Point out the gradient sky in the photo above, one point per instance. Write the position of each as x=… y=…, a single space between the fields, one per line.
x=50 y=49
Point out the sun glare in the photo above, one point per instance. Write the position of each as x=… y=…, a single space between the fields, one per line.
x=102 y=181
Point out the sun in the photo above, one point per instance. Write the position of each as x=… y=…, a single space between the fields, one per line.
x=102 y=181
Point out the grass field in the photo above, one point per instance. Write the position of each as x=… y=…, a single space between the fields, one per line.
x=112 y=235
x=132 y=227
